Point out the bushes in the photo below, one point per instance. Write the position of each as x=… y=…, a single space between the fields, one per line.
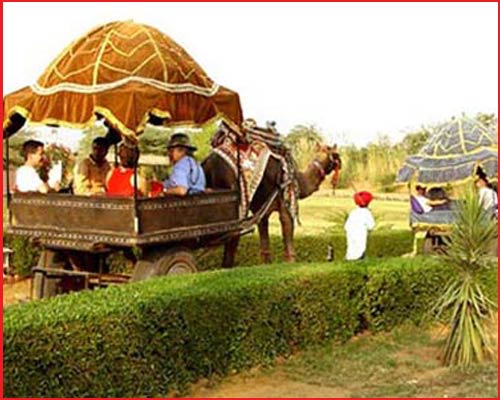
x=153 y=338
x=381 y=243
x=394 y=295
x=24 y=256
x=150 y=338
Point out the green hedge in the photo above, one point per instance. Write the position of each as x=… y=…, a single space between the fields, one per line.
x=394 y=295
x=25 y=255
x=381 y=243
x=153 y=338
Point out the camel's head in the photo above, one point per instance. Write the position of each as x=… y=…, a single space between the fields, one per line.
x=328 y=158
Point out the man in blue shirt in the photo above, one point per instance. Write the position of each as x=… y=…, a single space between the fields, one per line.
x=187 y=175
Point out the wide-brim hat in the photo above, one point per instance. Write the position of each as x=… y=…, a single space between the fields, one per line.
x=180 y=140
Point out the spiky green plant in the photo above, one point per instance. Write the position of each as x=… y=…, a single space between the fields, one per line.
x=469 y=251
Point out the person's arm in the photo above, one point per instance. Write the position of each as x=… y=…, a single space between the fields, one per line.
x=178 y=181
x=423 y=203
x=141 y=184
x=370 y=221
x=82 y=183
x=43 y=188
x=177 y=190
x=108 y=177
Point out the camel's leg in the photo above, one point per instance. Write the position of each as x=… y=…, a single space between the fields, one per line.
x=287 y=227
x=265 y=250
x=230 y=252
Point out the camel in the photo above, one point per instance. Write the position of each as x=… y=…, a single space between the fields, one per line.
x=221 y=176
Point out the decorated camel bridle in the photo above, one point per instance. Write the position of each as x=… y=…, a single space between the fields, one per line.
x=333 y=163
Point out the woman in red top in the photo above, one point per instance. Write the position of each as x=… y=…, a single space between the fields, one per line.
x=120 y=180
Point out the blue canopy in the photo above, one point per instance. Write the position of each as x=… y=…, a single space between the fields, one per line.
x=453 y=154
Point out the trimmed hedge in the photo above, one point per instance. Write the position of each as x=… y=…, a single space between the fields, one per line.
x=153 y=338
x=381 y=243
x=25 y=255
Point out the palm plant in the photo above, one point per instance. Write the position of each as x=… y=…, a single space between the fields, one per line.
x=469 y=253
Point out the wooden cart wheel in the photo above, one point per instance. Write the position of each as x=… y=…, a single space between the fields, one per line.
x=173 y=262
x=181 y=262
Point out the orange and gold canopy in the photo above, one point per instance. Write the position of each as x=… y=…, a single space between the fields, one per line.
x=127 y=73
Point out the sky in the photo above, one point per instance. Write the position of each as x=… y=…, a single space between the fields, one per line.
x=355 y=71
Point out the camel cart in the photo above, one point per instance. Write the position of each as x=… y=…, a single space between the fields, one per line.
x=152 y=80
x=77 y=233
x=452 y=157
x=433 y=227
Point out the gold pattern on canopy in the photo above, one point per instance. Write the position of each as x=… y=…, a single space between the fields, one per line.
x=127 y=73
x=453 y=155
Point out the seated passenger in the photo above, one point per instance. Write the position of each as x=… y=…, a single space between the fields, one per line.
x=120 y=180
x=27 y=177
x=420 y=203
x=91 y=173
x=487 y=195
x=438 y=199
x=187 y=175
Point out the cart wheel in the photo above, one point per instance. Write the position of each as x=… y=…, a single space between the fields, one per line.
x=181 y=262
x=171 y=263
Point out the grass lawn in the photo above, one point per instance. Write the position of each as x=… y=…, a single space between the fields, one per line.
x=322 y=211
x=403 y=363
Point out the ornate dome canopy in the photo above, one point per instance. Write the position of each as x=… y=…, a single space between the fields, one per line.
x=127 y=73
x=460 y=136
x=453 y=154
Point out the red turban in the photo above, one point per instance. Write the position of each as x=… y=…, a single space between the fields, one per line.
x=362 y=199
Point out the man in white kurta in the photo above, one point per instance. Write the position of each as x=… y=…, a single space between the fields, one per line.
x=27 y=178
x=359 y=222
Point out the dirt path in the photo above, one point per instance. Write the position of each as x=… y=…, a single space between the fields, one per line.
x=276 y=385
x=280 y=385
x=16 y=292
x=408 y=366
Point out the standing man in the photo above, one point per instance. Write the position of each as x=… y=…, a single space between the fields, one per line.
x=187 y=175
x=27 y=177
x=90 y=177
x=359 y=222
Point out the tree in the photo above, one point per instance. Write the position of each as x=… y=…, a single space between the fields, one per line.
x=16 y=156
x=414 y=141
x=154 y=139
x=303 y=140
